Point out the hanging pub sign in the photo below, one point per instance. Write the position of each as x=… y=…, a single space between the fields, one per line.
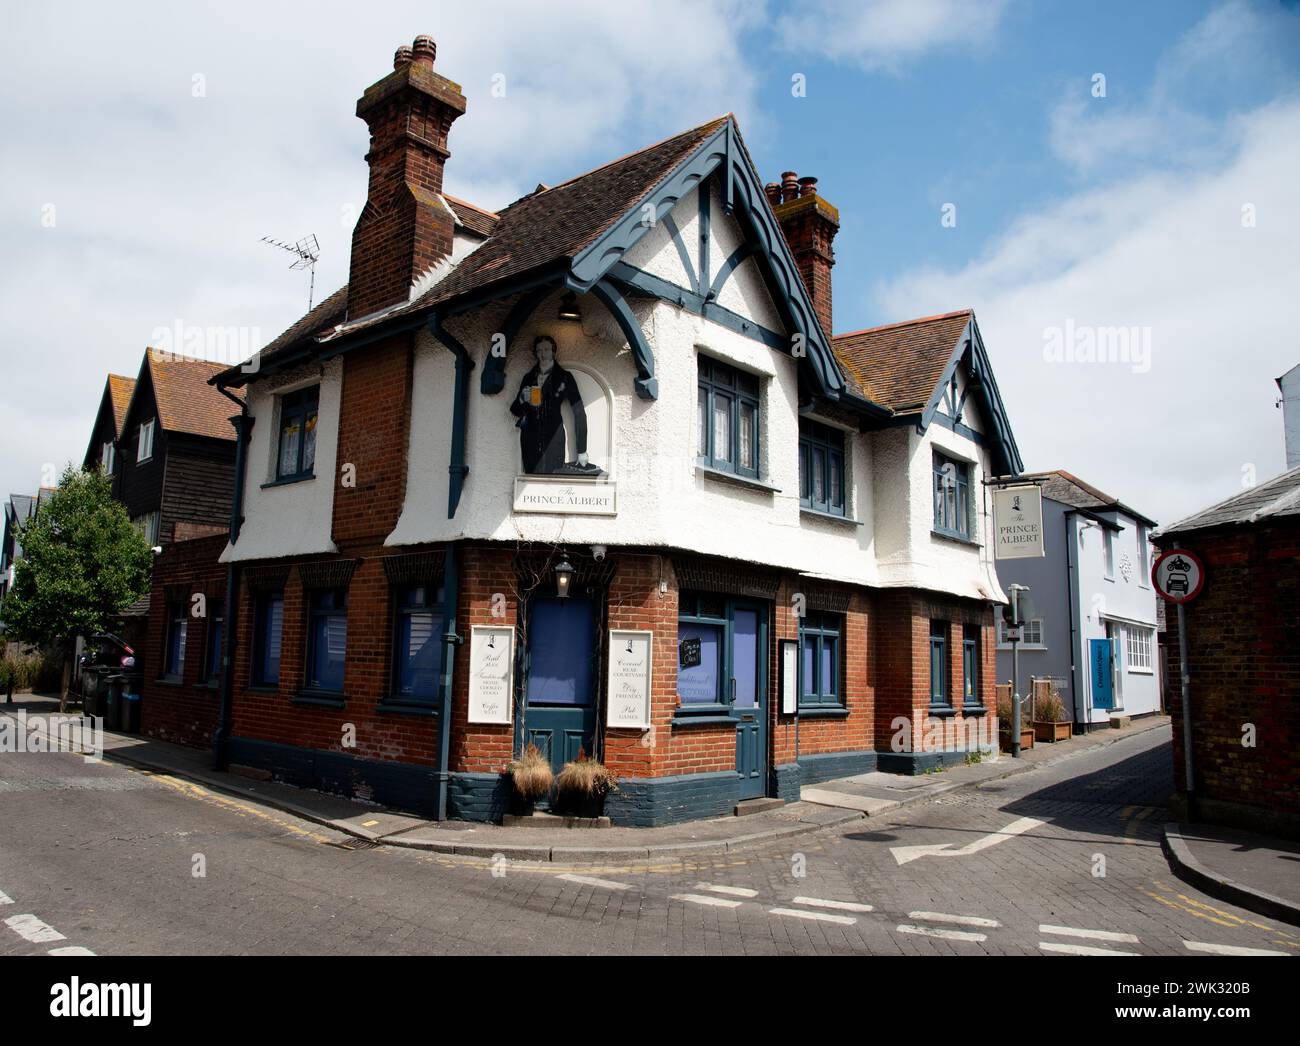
x=688 y=652
x=628 y=704
x=789 y=676
x=491 y=673
x=1018 y=522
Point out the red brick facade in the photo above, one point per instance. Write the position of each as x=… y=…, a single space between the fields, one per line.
x=185 y=709
x=1243 y=638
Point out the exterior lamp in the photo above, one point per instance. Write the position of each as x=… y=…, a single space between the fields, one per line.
x=563 y=578
x=569 y=308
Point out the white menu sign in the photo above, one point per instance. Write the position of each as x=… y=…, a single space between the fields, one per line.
x=789 y=676
x=491 y=673
x=629 y=679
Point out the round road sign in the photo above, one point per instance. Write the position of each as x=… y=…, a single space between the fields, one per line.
x=1178 y=575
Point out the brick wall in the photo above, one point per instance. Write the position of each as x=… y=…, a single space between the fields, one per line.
x=1243 y=637
x=185 y=711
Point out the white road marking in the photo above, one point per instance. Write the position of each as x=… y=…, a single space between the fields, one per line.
x=74 y=949
x=699 y=898
x=1078 y=949
x=591 y=880
x=903 y=854
x=1096 y=935
x=733 y=891
x=1228 y=949
x=821 y=917
x=841 y=906
x=960 y=920
x=31 y=928
x=947 y=935
x=5 y=898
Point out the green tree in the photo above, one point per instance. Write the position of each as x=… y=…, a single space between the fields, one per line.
x=83 y=562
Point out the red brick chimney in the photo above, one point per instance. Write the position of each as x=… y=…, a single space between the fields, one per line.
x=809 y=224
x=405 y=229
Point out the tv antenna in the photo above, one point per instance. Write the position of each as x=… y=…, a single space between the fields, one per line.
x=307 y=251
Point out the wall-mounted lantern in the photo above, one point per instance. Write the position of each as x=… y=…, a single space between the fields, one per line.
x=569 y=308
x=563 y=578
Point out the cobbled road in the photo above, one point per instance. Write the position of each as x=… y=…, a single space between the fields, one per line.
x=1061 y=860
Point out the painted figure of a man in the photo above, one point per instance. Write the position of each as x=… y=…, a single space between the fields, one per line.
x=542 y=393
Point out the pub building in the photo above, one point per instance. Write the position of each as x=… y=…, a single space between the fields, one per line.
x=593 y=473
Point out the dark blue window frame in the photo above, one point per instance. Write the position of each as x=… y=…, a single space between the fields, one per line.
x=940 y=693
x=419 y=609
x=327 y=627
x=970 y=663
x=951 y=490
x=821 y=468
x=268 y=637
x=820 y=644
x=177 y=634
x=725 y=392
x=702 y=612
x=298 y=415
x=216 y=630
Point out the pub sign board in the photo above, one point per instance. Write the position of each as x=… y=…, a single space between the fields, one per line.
x=1018 y=522
x=491 y=673
x=628 y=703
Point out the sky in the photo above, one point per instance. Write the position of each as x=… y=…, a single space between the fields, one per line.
x=1113 y=175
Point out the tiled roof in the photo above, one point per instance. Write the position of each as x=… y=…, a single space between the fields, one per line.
x=1069 y=489
x=899 y=365
x=120 y=388
x=543 y=227
x=557 y=223
x=475 y=219
x=186 y=402
x=1275 y=498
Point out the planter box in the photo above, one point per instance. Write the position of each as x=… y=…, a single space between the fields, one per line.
x=1026 y=739
x=1052 y=732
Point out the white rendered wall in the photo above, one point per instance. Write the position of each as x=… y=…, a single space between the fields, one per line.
x=290 y=519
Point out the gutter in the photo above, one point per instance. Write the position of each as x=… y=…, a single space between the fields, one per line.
x=457 y=468
x=243 y=423
x=451 y=640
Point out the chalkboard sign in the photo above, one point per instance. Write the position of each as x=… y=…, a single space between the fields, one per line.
x=688 y=652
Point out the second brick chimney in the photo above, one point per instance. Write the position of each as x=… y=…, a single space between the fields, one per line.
x=810 y=225
x=405 y=228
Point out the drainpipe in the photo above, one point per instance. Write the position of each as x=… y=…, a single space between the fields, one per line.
x=457 y=469
x=451 y=640
x=1069 y=607
x=243 y=423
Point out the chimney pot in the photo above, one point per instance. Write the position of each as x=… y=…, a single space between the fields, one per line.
x=403 y=57
x=789 y=185
x=424 y=49
x=773 y=190
x=807 y=187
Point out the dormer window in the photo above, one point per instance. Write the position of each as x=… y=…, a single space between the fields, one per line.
x=144 y=442
x=297 y=452
x=728 y=419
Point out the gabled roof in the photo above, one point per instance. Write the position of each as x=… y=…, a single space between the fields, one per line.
x=119 y=391
x=185 y=400
x=1068 y=489
x=906 y=367
x=899 y=365
x=1274 y=499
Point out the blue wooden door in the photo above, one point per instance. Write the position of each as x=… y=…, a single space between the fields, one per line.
x=1103 y=676
x=560 y=672
x=748 y=697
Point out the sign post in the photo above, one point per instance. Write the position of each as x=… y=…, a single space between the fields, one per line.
x=1178 y=577
x=1019 y=609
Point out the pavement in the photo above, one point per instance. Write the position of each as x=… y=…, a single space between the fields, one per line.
x=824 y=805
x=1258 y=872
x=115 y=858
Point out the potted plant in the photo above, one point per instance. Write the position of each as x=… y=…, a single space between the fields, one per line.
x=583 y=784
x=1051 y=722
x=1004 y=723
x=532 y=777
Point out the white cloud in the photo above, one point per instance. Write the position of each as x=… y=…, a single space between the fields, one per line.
x=161 y=197
x=1164 y=250
x=881 y=34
